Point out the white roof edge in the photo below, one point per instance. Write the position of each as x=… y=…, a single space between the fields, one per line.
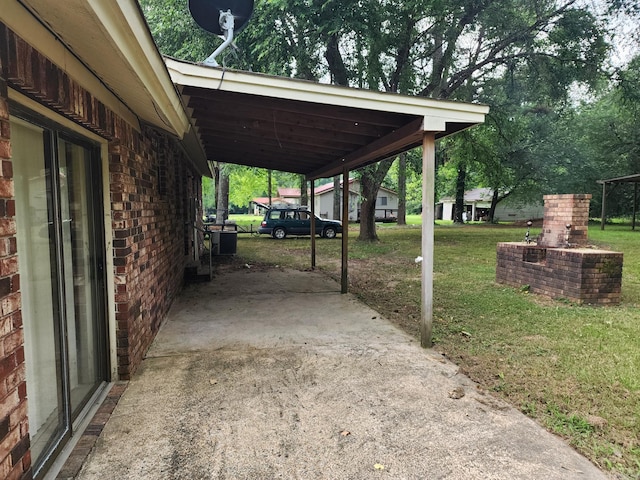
x=123 y=21
x=190 y=74
x=24 y=24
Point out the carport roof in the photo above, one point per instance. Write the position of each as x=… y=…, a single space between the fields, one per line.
x=305 y=127
x=628 y=179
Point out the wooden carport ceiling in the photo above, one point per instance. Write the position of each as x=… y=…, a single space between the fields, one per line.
x=304 y=127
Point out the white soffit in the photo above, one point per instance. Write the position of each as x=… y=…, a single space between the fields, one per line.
x=109 y=40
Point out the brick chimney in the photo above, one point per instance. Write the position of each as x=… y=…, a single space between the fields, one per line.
x=563 y=210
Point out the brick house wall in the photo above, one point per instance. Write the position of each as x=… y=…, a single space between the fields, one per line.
x=151 y=184
x=15 y=460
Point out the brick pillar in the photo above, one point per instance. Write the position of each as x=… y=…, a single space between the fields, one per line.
x=15 y=459
x=563 y=210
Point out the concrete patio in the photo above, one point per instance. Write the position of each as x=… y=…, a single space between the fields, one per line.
x=272 y=373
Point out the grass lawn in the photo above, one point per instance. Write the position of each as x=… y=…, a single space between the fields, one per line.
x=575 y=369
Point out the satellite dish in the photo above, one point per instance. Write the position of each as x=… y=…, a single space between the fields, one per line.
x=207 y=14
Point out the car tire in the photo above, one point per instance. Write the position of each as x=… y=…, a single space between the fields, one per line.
x=279 y=233
x=329 y=232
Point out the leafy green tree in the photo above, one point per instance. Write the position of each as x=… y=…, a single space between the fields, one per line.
x=607 y=132
x=449 y=49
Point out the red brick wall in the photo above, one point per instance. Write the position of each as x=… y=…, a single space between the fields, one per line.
x=15 y=461
x=563 y=210
x=151 y=183
x=149 y=229
x=579 y=275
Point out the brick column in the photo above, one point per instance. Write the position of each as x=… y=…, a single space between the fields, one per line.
x=15 y=459
x=560 y=211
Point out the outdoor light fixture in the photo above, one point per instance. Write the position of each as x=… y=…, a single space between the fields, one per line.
x=568 y=227
x=527 y=236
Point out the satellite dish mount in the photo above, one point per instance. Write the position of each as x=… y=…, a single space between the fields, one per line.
x=226 y=25
x=223 y=18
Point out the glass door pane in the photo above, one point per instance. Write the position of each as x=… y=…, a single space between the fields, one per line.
x=60 y=243
x=38 y=272
x=81 y=272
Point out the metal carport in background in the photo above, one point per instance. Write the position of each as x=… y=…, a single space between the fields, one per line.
x=319 y=131
x=635 y=179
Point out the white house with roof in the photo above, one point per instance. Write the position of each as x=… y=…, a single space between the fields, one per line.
x=386 y=202
x=477 y=203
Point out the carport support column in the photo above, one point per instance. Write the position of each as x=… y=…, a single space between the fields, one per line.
x=345 y=231
x=428 y=219
x=604 y=208
x=312 y=199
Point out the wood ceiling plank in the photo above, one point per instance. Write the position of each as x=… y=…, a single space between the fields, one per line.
x=238 y=100
x=334 y=141
x=400 y=140
x=244 y=114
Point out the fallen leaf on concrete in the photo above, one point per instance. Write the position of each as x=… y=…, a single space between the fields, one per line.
x=378 y=466
x=345 y=433
x=213 y=381
x=456 y=393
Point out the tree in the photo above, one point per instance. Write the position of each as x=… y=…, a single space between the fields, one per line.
x=337 y=213
x=248 y=182
x=402 y=189
x=222 y=205
x=445 y=49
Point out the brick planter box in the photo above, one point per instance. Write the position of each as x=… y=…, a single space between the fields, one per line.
x=580 y=275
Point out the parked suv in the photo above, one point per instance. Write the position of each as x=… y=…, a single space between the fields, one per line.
x=280 y=222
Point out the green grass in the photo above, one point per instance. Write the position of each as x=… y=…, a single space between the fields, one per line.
x=575 y=369
x=247 y=220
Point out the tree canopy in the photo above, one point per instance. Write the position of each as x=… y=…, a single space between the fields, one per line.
x=525 y=58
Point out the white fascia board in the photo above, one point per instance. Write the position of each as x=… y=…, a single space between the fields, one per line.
x=25 y=25
x=123 y=22
x=189 y=74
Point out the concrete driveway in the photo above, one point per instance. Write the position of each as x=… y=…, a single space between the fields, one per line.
x=265 y=374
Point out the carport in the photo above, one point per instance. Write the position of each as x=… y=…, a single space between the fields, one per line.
x=319 y=131
x=635 y=179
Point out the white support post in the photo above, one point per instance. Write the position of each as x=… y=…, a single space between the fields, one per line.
x=313 y=223
x=344 y=283
x=428 y=219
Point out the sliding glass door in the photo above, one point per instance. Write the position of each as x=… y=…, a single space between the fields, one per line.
x=60 y=244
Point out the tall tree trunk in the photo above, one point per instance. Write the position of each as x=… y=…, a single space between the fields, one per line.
x=304 y=192
x=369 y=193
x=337 y=68
x=460 y=186
x=337 y=211
x=222 y=207
x=269 y=186
x=402 y=189
x=370 y=181
x=216 y=185
x=494 y=203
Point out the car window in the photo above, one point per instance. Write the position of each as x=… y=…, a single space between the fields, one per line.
x=304 y=215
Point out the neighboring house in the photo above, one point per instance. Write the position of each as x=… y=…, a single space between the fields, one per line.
x=286 y=196
x=324 y=195
x=386 y=203
x=477 y=203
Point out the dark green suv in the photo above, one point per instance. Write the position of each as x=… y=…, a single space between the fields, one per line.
x=280 y=222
